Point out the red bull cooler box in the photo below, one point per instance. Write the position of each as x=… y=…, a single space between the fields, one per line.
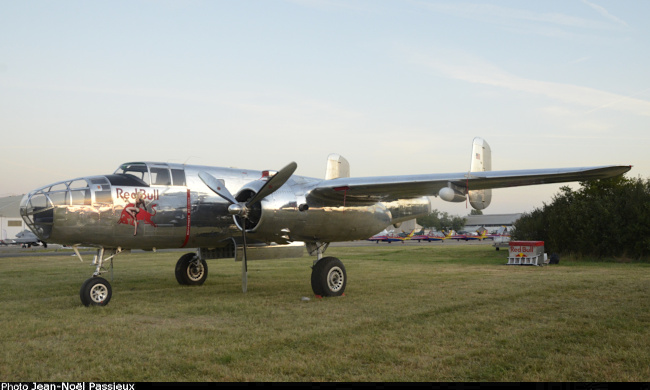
x=526 y=253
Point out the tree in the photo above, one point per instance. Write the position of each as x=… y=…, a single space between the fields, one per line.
x=604 y=218
x=458 y=223
x=431 y=221
x=441 y=220
x=476 y=212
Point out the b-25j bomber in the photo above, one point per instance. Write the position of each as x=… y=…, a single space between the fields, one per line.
x=226 y=212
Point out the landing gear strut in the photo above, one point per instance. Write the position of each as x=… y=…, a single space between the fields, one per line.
x=97 y=291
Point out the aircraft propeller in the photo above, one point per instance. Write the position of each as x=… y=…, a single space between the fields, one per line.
x=242 y=209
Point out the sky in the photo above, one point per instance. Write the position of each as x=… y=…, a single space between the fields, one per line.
x=396 y=87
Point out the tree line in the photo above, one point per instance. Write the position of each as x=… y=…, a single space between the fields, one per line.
x=604 y=218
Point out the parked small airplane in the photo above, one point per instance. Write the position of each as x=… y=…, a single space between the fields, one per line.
x=149 y=205
x=392 y=237
x=432 y=236
x=499 y=234
x=472 y=236
x=476 y=236
x=26 y=238
x=500 y=238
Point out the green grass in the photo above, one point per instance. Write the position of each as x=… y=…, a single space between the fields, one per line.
x=410 y=313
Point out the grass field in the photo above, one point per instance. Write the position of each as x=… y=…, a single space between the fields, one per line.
x=410 y=313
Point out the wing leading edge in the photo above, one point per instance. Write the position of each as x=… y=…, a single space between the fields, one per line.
x=367 y=190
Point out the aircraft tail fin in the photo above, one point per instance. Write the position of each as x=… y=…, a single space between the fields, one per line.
x=481 y=162
x=337 y=167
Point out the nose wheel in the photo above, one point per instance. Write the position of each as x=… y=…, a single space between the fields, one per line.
x=95 y=291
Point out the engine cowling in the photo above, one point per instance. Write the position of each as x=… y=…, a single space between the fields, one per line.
x=254 y=210
x=269 y=219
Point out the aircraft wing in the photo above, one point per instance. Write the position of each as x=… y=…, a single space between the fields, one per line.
x=368 y=190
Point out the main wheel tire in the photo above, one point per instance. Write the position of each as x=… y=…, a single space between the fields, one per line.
x=191 y=272
x=95 y=291
x=328 y=277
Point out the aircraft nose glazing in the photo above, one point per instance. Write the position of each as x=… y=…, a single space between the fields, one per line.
x=37 y=210
x=38 y=207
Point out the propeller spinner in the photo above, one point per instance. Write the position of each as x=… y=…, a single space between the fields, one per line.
x=242 y=209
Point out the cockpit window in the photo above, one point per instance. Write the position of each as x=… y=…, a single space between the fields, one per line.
x=139 y=170
x=155 y=174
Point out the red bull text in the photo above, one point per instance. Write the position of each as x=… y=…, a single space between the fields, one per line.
x=146 y=195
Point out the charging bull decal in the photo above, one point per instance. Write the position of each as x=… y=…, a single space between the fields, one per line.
x=136 y=212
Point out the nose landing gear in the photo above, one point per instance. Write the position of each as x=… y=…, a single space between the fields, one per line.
x=97 y=291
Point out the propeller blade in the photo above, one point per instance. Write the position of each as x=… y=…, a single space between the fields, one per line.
x=274 y=183
x=236 y=208
x=218 y=186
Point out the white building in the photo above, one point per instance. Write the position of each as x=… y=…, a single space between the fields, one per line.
x=10 y=221
x=491 y=222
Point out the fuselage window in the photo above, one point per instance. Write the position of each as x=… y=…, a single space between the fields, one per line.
x=178 y=175
x=80 y=197
x=79 y=183
x=160 y=177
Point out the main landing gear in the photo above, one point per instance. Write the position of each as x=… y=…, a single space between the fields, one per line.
x=191 y=270
x=328 y=276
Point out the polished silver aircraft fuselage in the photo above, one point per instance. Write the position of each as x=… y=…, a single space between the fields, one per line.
x=147 y=205
x=181 y=211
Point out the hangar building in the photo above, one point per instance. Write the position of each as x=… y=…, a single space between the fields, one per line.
x=490 y=222
x=10 y=221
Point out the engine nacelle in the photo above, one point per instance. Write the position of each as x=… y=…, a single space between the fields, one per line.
x=263 y=216
x=480 y=199
x=450 y=195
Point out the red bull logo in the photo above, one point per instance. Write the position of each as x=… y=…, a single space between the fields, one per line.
x=138 y=206
x=126 y=217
